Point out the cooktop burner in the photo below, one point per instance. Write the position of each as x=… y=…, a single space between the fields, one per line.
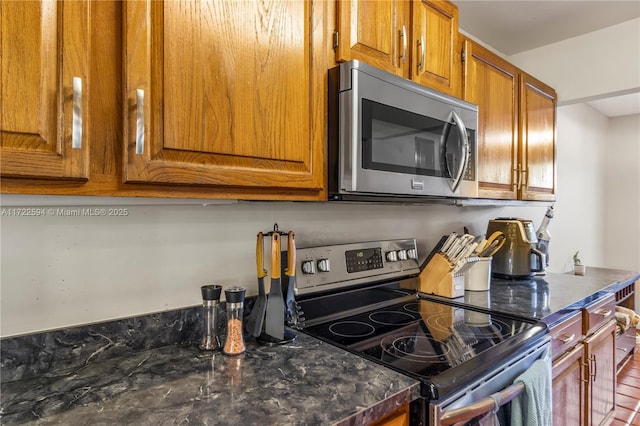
x=391 y=317
x=351 y=329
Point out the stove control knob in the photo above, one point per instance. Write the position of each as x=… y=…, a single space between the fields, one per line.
x=391 y=256
x=308 y=267
x=411 y=254
x=323 y=265
x=402 y=254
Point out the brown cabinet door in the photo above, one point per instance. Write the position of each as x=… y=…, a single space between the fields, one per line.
x=373 y=31
x=224 y=93
x=44 y=70
x=435 y=55
x=569 y=388
x=537 y=138
x=601 y=362
x=492 y=83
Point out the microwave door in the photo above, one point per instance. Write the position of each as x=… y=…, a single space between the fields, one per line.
x=455 y=150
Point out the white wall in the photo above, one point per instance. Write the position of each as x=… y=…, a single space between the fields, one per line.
x=61 y=271
x=578 y=226
x=599 y=63
x=622 y=201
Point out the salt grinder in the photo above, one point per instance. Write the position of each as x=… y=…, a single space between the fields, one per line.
x=234 y=343
x=210 y=301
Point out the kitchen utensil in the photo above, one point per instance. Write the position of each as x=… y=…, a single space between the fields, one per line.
x=275 y=304
x=256 y=317
x=494 y=243
x=294 y=314
x=452 y=237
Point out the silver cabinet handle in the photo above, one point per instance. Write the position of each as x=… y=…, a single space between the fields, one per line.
x=76 y=120
x=603 y=313
x=566 y=339
x=423 y=53
x=403 y=35
x=139 y=121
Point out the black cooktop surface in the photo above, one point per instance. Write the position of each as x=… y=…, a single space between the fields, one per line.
x=437 y=342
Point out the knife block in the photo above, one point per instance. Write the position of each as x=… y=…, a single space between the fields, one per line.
x=438 y=278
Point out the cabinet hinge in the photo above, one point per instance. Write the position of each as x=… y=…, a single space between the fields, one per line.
x=336 y=39
x=463 y=55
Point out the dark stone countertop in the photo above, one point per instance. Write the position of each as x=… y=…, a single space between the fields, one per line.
x=306 y=382
x=550 y=297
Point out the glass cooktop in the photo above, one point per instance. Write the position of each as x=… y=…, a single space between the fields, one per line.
x=431 y=340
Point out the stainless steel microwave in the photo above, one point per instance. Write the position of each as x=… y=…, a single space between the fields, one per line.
x=393 y=139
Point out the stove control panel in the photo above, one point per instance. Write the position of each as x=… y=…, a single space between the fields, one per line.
x=328 y=267
x=363 y=260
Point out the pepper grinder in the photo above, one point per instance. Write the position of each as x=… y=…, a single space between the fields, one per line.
x=210 y=301
x=234 y=344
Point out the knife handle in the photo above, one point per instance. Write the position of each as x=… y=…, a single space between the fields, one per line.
x=291 y=256
x=260 y=256
x=275 y=256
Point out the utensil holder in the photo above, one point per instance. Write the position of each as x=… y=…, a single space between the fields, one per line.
x=438 y=278
x=478 y=277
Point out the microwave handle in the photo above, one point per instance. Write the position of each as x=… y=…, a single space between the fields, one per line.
x=462 y=130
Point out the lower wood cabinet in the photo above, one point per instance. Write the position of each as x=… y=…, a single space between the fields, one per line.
x=569 y=388
x=400 y=417
x=600 y=359
x=584 y=365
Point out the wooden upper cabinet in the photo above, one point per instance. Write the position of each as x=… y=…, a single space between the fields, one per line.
x=373 y=31
x=44 y=89
x=415 y=39
x=435 y=52
x=537 y=135
x=492 y=83
x=226 y=93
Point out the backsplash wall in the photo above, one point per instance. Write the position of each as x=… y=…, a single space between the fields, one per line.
x=60 y=271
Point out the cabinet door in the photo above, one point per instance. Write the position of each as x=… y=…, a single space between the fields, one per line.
x=400 y=417
x=492 y=83
x=373 y=31
x=224 y=93
x=435 y=52
x=537 y=138
x=43 y=89
x=601 y=362
x=569 y=388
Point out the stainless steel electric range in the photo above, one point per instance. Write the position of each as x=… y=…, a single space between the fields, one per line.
x=363 y=297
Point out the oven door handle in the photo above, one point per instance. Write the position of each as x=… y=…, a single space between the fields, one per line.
x=462 y=134
x=483 y=406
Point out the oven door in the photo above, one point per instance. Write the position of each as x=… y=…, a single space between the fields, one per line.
x=398 y=138
x=469 y=405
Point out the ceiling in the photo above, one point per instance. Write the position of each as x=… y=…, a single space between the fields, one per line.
x=514 y=26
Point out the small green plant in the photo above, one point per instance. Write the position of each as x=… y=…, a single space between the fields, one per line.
x=576 y=259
